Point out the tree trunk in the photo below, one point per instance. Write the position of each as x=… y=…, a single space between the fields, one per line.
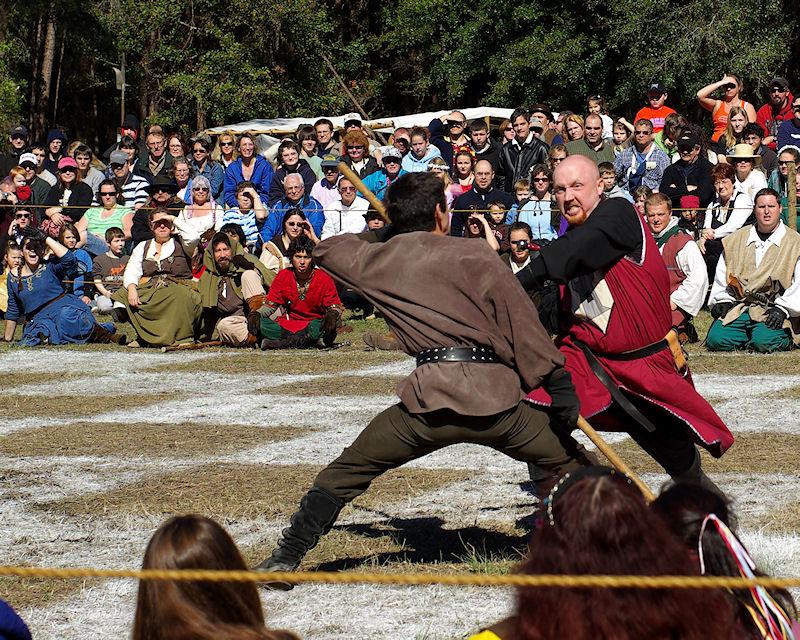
x=35 y=72
x=48 y=56
x=58 y=78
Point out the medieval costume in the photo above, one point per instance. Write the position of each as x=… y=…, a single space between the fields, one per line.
x=479 y=347
x=688 y=280
x=169 y=304
x=616 y=335
x=229 y=296
x=756 y=291
x=52 y=315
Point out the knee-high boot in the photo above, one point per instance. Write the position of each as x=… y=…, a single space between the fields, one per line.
x=315 y=517
x=102 y=335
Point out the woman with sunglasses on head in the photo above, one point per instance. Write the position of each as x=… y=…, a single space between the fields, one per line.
x=275 y=254
x=67 y=201
x=36 y=292
x=202 y=218
x=249 y=166
x=720 y=108
x=201 y=164
x=158 y=296
x=96 y=221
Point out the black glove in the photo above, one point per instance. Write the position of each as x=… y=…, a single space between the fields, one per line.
x=565 y=406
x=720 y=310
x=775 y=317
x=243 y=263
x=330 y=320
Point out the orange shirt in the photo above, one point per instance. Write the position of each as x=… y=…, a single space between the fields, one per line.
x=656 y=116
x=719 y=117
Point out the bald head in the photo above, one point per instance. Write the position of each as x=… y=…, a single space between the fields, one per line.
x=484 y=174
x=577 y=188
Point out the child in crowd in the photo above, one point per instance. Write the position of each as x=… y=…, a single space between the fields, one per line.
x=11 y=260
x=108 y=269
x=610 y=187
x=496 y=219
x=622 y=135
x=69 y=237
x=522 y=191
x=597 y=106
x=640 y=195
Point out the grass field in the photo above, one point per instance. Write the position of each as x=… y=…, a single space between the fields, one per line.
x=100 y=444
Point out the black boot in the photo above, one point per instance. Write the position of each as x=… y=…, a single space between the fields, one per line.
x=318 y=511
x=696 y=475
x=299 y=340
x=102 y=335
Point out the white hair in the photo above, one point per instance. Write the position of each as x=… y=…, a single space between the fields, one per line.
x=291 y=175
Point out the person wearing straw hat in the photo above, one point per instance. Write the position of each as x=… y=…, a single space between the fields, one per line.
x=745 y=160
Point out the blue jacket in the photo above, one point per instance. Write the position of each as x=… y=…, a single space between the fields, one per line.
x=276 y=191
x=262 y=175
x=313 y=210
x=378 y=181
x=415 y=165
x=214 y=173
x=539 y=216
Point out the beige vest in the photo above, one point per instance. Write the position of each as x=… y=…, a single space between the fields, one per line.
x=777 y=266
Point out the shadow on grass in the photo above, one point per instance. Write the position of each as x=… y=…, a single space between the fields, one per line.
x=424 y=541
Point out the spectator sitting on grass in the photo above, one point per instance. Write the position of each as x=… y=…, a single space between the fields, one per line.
x=174 y=610
x=108 y=269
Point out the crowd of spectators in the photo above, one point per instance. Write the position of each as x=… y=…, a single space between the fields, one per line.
x=141 y=215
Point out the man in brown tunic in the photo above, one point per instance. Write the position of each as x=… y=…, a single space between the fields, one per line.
x=479 y=346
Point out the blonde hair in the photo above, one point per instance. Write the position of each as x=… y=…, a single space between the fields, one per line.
x=729 y=135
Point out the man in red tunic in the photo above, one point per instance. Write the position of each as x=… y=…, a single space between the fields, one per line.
x=302 y=305
x=615 y=316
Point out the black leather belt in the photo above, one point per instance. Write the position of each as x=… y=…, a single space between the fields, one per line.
x=477 y=355
x=616 y=393
x=635 y=354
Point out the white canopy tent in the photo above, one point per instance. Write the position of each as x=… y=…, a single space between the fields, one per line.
x=288 y=126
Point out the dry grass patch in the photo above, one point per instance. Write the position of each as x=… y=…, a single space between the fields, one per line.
x=750 y=453
x=792 y=393
x=784 y=518
x=234 y=491
x=305 y=361
x=32 y=593
x=25 y=378
x=154 y=440
x=744 y=364
x=340 y=386
x=23 y=406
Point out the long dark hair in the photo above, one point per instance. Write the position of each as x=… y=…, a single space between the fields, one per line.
x=172 y=610
x=601 y=525
x=684 y=508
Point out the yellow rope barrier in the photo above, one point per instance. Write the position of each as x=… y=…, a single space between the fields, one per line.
x=412 y=579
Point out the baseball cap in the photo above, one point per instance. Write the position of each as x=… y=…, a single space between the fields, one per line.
x=391 y=152
x=372 y=215
x=330 y=161
x=21 y=131
x=656 y=87
x=351 y=118
x=28 y=158
x=67 y=161
x=536 y=123
x=118 y=157
x=783 y=83
x=688 y=139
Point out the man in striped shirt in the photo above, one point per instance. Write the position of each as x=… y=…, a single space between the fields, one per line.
x=132 y=187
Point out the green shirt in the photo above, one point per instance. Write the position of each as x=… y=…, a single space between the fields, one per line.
x=98 y=225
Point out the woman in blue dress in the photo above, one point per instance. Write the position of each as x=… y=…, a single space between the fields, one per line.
x=35 y=291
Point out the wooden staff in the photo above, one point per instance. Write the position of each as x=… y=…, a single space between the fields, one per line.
x=791 y=193
x=191 y=346
x=619 y=464
x=348 y=173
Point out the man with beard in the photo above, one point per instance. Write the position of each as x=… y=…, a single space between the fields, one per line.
x=616 y=329
x=478 y=345
x=777 y=109
x=232 y=287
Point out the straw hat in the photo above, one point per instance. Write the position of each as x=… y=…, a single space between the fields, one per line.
x=744 y=152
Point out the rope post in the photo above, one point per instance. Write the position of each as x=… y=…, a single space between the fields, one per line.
x=791 y=192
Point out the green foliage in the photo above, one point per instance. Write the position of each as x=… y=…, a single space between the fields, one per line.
x=11 y=89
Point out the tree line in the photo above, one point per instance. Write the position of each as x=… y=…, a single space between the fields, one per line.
x=190 y=64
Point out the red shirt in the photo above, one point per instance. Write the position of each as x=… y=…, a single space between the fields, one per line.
x=320 y=295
